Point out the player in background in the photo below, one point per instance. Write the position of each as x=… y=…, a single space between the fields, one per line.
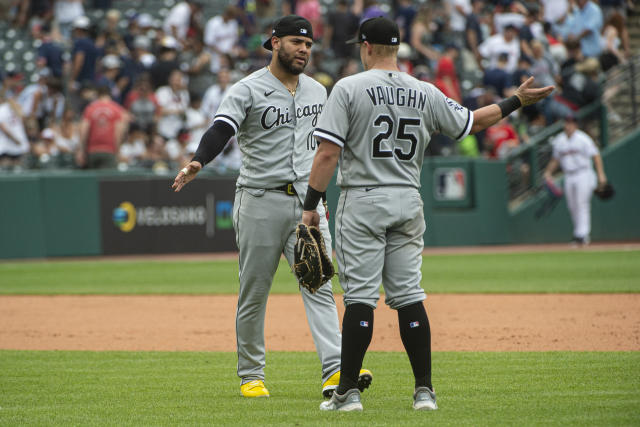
x=378 y=124
x=573 y=151
x=273 y=113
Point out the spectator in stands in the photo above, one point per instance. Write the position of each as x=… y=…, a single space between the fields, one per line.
x=614 y=49
x=498 y=77
x=422 y=37
x=196 y=62
x=67 y=135
x=500 y=139
x=579 y=89
x=45 y=149
x=342 y=24
x=446 y=77
x=142 y=103
x=473 y=33
x=65 y=12
x=166 y=63
x=55 y=101
x=111 y=66
x=141 y=55
x=213 y=96
x=50 y=52
x=404 y=15
x=84 y=53
x=13 y=138
x=367 y=9
x=310 y=10
x=221 y=36
x=32 y=99
x=104 y=125
x=458 y=12
x=555 y=10
x=173 y=100
x=133 y=150
x=506 y=42
x=180 y=18
x=585 y=24
x=543 y=67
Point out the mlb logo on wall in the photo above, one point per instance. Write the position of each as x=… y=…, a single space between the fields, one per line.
x=450 y=184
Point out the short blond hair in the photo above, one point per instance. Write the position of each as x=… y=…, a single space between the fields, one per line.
x=385 y=50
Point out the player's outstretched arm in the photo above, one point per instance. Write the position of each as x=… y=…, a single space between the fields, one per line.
x=186 y=175
x=211 y=144
x=524 y=95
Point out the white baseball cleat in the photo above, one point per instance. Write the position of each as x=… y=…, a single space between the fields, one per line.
x=424 y=399
x=350 y=401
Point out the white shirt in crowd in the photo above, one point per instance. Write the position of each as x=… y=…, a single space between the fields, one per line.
x=211 y=101
x=221 y=35
x=132 y=150
x=554 y=10
x=179 y=16
x=27 y=97
x=458 y=21
x=12 y=122
x=169 y=125
x=495 y=45
x=574 y=153
x=65 y=11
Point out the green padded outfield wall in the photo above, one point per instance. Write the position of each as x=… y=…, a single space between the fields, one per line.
x=465 y=203
x=52 y=214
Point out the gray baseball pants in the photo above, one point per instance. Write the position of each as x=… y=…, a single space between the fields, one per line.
x=265 y=222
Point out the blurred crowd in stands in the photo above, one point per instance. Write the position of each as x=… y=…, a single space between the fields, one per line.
x=133 y=89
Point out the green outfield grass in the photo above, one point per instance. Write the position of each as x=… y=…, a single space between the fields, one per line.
x=127 y=388
x=550 y=272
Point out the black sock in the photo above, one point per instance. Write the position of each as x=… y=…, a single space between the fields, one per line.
x=357 y=330
x=416 y=337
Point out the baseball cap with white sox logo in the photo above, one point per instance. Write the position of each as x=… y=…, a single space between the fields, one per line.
x=290 y=25
x=378 y=30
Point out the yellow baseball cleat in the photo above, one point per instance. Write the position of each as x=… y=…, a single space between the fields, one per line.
x=364 y=381
x=254 y=388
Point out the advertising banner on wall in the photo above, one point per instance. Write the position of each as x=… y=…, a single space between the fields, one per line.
x=147 y=216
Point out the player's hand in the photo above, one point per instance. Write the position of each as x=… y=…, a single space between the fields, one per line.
x=186 y=175
x=529 y=95
x=311 y=218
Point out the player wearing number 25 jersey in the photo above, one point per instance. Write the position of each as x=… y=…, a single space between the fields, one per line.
x=380 y=114
x=377 y=124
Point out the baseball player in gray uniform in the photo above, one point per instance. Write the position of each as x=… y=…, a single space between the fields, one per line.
x=273 y=113
x=574 y=151
x=377 y=124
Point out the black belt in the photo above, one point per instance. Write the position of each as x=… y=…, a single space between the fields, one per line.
x=289 y=189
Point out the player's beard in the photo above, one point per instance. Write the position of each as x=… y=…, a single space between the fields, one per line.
x=287 y=61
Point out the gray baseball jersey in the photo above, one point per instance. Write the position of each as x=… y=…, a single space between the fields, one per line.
x=258 y=107
x=275 y=134
x=384 y=121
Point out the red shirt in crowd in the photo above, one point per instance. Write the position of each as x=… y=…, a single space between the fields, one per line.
x=103 y=115
x=447 y=79
x=502 y=138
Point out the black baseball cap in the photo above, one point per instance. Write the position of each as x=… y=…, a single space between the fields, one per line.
x=378 y=30
x=290 y=25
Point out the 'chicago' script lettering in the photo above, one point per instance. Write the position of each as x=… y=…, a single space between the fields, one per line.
x=274 y=116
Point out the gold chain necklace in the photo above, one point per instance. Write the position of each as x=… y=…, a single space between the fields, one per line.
x=291 y=91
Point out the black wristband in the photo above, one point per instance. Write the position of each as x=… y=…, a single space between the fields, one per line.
x=312 y=199
x=509 y=105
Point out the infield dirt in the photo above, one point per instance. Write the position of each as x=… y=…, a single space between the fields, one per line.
x=538 y=322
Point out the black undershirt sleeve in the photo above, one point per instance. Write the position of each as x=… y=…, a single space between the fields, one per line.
x=213 y=142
